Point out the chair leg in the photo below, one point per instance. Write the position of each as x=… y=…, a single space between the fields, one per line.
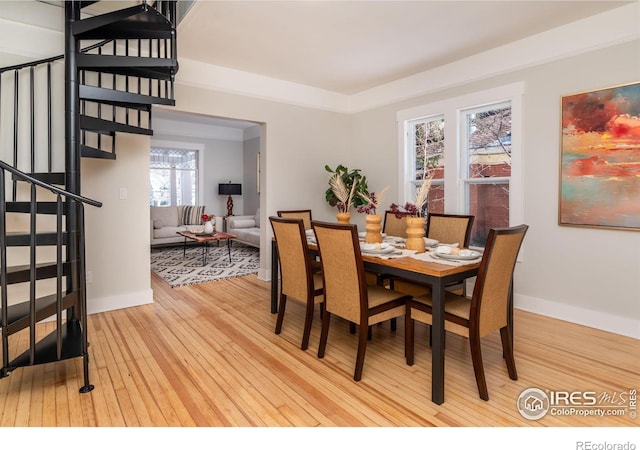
x=507 y=350
x=369 y=332
x=394 y=324
x=362 y=348
x=307 y=325
x=323 y=334
x=352 y=328
x=408 y=337
x=478 y=368
x=281 y=308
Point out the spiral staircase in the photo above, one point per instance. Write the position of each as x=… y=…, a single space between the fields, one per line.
x=116 y=66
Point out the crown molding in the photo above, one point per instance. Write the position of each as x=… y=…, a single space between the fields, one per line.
x=603 y=30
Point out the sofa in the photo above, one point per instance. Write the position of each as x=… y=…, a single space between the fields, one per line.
x=166 y=221
x=246 y=228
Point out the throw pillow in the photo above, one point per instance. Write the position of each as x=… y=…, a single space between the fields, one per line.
x=190 y=215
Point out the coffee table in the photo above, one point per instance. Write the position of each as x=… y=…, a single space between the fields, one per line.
x=205 y=239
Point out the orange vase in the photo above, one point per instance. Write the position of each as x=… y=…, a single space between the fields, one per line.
x=344 y=217
x=415 y=234
x=373 y=228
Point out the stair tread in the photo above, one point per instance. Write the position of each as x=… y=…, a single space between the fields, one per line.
x=18 y=314
x=91 y=152
x=41 y=207
x=46 y=348
x=140 y=21
x=96 y=124
x=22 y=273
x=111 y=96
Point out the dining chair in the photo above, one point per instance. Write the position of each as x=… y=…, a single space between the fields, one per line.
x=346 y=293
x=394 y=225
x=298 y=280
x=488 y=309
x=304 y=214
x=447 y=229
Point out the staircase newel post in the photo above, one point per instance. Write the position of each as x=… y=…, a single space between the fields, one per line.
x=72 y=146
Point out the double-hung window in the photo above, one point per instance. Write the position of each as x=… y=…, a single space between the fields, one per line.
x=471 y=145
x=173 y=177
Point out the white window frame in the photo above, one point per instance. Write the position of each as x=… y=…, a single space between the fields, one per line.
x=187 y=146
x=453 y=109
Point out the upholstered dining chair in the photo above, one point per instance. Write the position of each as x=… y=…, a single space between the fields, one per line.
x=304 y=214
x=394 y=225
x=447 y=229
x=488 y=309
x=346 y=293
x=298 y=280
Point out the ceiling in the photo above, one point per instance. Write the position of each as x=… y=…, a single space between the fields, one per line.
x=351 y=46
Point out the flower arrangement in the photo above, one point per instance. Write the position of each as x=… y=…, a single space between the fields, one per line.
x=346 y=192
x=343 y=195
x=373 y=201
x=417 y=208
x=207 y=218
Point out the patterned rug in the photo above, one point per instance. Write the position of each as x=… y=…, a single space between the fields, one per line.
x=178 y=270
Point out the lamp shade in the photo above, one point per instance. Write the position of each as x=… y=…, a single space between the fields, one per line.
x=229 y=189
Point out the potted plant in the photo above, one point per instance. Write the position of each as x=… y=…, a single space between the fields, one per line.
x=346 y=189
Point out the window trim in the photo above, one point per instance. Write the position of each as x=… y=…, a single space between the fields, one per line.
x=451 y=109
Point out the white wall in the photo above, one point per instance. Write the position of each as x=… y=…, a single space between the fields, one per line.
x=117 y=234
x=583 y=275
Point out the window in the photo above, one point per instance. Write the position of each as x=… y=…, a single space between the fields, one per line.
x=471 y=145
x=486 y=152
x=173 y=177
x=427 y=142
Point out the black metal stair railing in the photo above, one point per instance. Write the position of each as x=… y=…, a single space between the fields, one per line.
x=115 y=83
x=62 y=299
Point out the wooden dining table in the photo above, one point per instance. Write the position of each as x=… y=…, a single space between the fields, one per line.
x=432 y=273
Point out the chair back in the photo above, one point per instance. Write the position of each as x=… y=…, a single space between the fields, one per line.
x=296 y=277
x=304 y=214
x=450 y=228
x=490 y=300
x=342 y=269
x=394 y=225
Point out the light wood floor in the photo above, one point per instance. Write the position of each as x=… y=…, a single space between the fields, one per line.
x=206 y=355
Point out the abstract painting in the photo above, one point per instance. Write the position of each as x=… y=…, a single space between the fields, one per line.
x=600 y=158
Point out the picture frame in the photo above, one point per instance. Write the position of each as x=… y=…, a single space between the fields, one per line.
x=600 y=158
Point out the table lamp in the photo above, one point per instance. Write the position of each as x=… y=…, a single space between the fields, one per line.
x=229 y=189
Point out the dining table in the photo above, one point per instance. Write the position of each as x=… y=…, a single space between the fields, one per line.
x=419 y=268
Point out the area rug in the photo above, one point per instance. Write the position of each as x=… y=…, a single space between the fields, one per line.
x=181 y=270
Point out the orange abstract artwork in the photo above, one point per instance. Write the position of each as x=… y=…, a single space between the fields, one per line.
x=600 y=158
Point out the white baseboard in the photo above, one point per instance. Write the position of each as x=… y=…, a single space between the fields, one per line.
x=103 y=304
x=587 y=317
x=264 y=274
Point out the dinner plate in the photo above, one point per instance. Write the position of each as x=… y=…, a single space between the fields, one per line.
x=382 y=251
x=474 y=255
x=430 y=242
x=362 y=234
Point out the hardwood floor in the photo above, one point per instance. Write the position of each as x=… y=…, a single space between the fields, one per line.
x=207 y=356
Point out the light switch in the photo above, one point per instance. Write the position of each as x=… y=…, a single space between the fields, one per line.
x=123 y=193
